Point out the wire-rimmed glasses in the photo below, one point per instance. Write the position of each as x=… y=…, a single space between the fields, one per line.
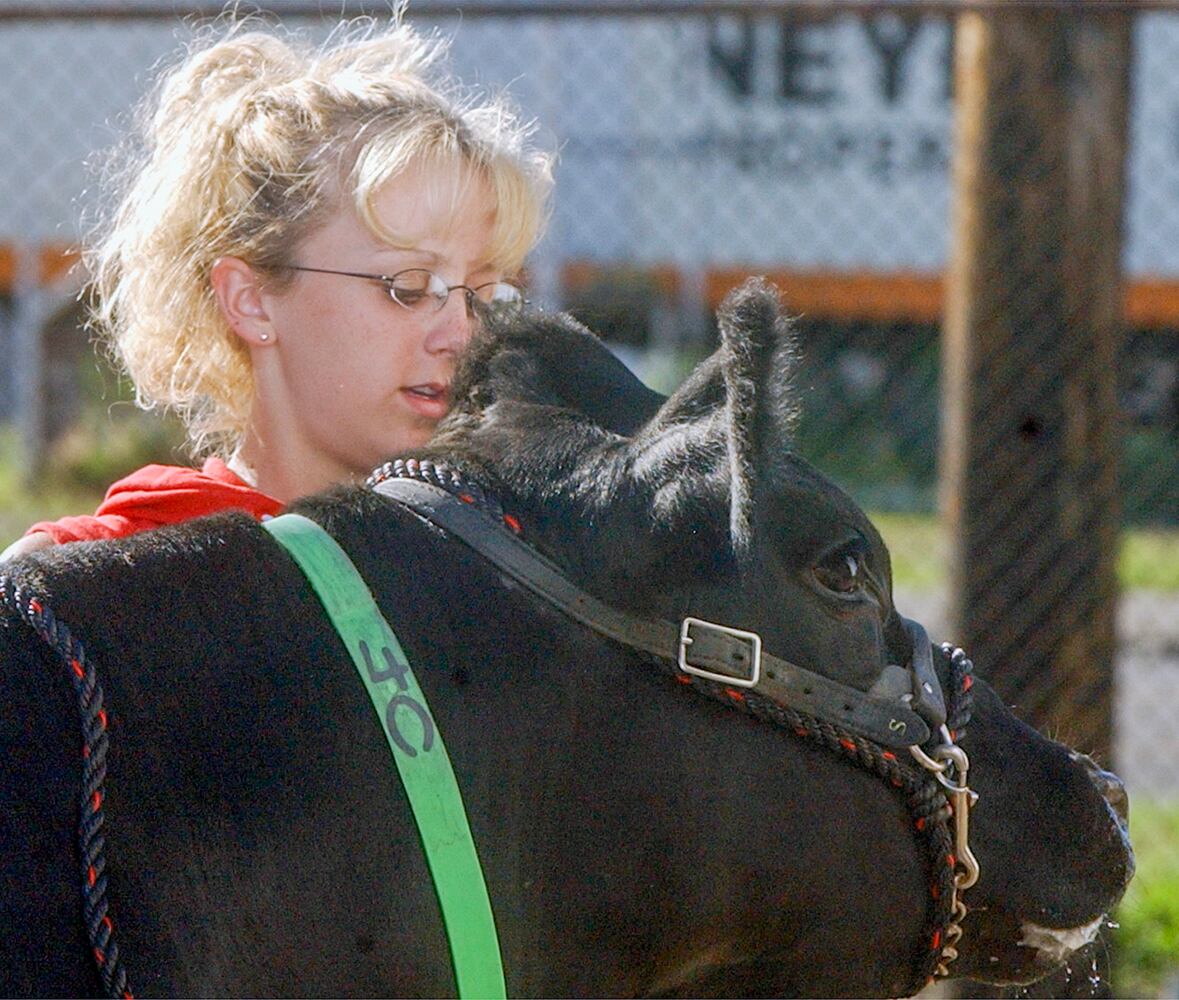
x=422 y=291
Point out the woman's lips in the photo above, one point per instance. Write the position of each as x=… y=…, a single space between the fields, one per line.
x=430 y=399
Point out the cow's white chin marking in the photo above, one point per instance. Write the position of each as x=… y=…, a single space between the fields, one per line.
x=1058 y=944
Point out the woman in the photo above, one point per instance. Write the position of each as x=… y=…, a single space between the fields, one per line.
x=296 y=259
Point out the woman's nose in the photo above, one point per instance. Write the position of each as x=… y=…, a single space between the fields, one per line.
x=451 y=327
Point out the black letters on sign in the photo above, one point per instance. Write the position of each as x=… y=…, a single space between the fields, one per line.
x=891 y=37
x=733 y=62
x=806 y=71
x=802 y=64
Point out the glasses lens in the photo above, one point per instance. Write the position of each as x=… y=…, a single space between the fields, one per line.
x=418 y=289
x=499 y=293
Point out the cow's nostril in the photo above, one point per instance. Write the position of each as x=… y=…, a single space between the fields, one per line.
x=1112 y=788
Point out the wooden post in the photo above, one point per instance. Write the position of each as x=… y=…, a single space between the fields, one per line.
x=1033 y=314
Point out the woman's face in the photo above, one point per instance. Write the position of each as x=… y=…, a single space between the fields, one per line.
x=348 y=376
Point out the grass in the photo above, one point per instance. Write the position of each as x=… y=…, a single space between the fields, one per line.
x=1146 y=943
x=918 y=547
x=22 y=505
x=1148 y=559
x=107 y=441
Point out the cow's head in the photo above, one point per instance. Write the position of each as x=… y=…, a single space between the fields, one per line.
x=694 y=504
x=698 y=505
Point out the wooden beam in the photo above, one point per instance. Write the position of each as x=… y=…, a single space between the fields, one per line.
x=1033 y=316
x=1147 y=303
x=896 y=297
x=53 y=262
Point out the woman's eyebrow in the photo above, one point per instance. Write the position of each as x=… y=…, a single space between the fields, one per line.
x=432 y=258
x=428 y=255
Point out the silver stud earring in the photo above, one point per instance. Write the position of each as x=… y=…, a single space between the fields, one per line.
x=263 y=336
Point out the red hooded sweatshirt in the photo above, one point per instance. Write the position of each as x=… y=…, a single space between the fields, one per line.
x=162 y=494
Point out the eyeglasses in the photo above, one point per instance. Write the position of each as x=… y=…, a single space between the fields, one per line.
x=422 y=291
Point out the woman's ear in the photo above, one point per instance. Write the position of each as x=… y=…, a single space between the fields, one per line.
x=239 y=294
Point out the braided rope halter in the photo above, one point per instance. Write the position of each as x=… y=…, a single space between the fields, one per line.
x=934 y=792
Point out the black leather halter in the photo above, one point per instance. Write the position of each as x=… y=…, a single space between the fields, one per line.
x=904 y=708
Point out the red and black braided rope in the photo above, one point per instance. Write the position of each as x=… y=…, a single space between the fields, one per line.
x=924 y=797
x=96 y=916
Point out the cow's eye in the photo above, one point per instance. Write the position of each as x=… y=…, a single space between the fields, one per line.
x=841 y=570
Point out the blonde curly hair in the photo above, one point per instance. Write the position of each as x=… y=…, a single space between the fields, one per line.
x=244 y=149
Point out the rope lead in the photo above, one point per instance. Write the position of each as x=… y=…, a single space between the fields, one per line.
x=100 y=928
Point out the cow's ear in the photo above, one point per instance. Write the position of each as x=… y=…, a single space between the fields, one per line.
x=758 y=354
x=732 y=419
x=550 y=359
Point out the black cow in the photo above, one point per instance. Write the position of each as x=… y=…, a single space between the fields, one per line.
x=636 y=837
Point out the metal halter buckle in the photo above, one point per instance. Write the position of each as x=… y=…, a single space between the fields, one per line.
x=752 y=638
x=950 y=766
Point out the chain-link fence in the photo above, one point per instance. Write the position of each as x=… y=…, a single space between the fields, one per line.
x=814 y=143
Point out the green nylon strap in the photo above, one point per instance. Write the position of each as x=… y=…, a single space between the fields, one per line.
x=417 y=748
